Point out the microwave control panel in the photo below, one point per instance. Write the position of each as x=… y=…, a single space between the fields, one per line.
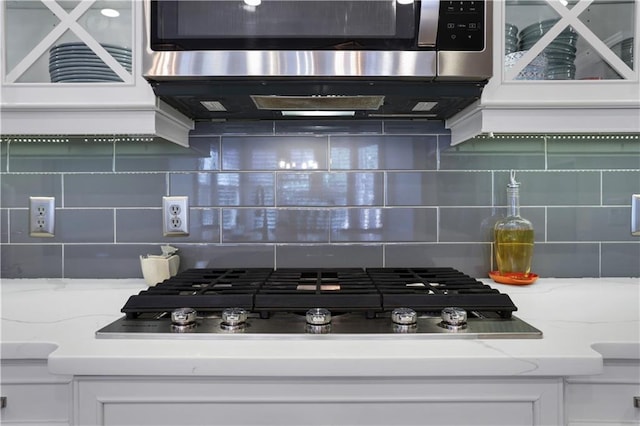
x=461 y=25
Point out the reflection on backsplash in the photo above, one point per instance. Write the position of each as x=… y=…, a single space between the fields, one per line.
x=325 y=194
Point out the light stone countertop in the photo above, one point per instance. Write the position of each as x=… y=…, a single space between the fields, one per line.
x=583 y=320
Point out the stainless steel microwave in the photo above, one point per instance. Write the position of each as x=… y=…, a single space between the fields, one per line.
x=388 y=55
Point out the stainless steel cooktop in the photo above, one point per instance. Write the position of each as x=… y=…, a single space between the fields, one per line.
x=332 y=303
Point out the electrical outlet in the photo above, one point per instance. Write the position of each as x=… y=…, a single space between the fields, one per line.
x=42 y=215
x=175 y=213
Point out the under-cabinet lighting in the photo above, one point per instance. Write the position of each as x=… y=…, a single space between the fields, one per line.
x=214 y=106
x=318 y=113
x=404 y=1
x=252 y=2
x=424 y=106
x=110 y=13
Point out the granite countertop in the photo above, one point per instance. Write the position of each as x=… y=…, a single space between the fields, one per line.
x=583 y=321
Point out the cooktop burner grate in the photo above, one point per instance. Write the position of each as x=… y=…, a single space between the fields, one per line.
x=373 y=290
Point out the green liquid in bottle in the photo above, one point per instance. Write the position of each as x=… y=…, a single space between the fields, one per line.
x=514 y=250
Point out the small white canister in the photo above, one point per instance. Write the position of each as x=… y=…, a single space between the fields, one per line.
x=157 y=268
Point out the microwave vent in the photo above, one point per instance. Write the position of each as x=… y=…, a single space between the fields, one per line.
x=318 y=102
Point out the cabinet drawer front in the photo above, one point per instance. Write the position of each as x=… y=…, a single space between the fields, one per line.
x=602 y=403
x=296 y=413
x=286 y=401
x=41 y=403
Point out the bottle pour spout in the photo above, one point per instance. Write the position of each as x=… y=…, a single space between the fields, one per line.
x=512 y=180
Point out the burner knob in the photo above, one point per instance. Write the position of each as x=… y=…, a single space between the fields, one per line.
x=234 y=316
x=318 y=329
x=454 y=318
x=404 y=316
x=183 y=316
x=318 y=316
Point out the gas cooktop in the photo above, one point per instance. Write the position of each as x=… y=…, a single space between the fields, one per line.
x=434 y=302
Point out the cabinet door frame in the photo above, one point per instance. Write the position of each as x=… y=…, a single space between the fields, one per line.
x=35 y=396
x=502 y=90
x=101 y=399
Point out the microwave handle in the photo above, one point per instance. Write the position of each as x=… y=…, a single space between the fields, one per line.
x=428 y=27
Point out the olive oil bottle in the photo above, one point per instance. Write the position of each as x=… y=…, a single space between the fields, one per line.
x=513 y=235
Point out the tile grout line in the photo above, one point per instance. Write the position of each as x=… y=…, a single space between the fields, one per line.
x=600 y=259
x=601 y=187
x=115 y=225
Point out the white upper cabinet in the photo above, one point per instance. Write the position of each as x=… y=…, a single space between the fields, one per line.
x=73 y=67
x=559 y=66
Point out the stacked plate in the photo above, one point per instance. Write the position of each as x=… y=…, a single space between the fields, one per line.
x=560 y=53
x=77 y=63
x=625 y=51
x=510 y=38
x=535 y=70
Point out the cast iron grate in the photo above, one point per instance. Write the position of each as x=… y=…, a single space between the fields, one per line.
x=372 y=290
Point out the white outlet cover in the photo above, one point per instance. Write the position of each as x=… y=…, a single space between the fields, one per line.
x=42 y=224
x=175 y=216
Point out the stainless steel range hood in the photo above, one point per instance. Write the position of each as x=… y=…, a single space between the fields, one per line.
x=276 y=84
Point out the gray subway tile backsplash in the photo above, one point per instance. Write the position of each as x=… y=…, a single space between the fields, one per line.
x=251 y=153
x=320 y=194
x=565 y=260
x=383 y=225
x=159 y=155
x=4 y=225
x=618 y=185
x=463 y=224
x=321 y=189
x=105 y=260
x=60 y=155
x=71 y=226
x=329 y=256
x=3 y=155
x=15 y=189
x=224 y=189
x=32 y=260
x=401 y=152
x=593 y=152
x=226 y=255
x=620 y=260
x=521 y=153
x=439 y=188
x=552 y=188
x=141 y=226
x=114 y=189
x=589 y=224
x=473 y=259
x=275 y=225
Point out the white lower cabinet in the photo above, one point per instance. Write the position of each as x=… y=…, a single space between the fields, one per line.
x=605 y=399
x=33 y=396
x=317 y=401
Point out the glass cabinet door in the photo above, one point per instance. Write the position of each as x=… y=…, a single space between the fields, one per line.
x=67 y=41
x=570 y=40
